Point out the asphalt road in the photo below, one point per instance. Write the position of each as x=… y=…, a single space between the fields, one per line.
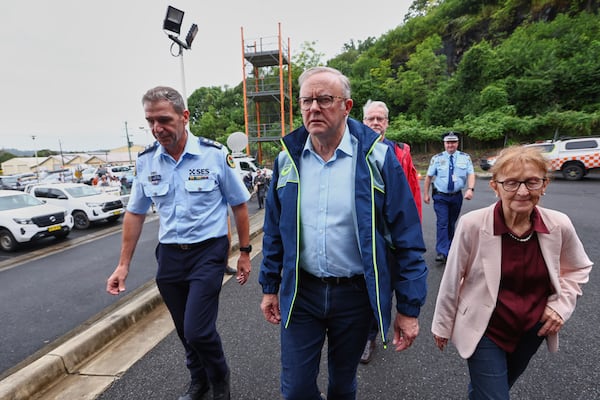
x=422 y=372
x=50 y=290
x=48 y=297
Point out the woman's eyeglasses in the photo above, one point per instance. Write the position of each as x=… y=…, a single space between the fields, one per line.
x=531 y=184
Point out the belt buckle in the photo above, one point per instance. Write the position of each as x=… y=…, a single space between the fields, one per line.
x=184 y=246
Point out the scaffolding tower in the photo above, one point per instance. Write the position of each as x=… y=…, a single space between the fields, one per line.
x=267 y=77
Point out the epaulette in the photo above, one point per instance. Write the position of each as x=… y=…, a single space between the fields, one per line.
x=439 y=154
x=210 y=142
x=149 y=149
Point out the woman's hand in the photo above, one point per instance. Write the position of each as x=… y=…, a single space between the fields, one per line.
x=552 y=322
x=440 y=342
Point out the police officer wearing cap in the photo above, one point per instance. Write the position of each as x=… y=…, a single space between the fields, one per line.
x=191 y=181
x=451 y=172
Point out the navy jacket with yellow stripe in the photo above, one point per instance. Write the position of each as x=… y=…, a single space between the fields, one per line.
x=386 y=222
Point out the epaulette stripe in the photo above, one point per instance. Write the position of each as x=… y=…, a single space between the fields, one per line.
x=150 y=148
x=210 y=142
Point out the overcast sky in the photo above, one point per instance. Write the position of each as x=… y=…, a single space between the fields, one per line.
x=73 y=72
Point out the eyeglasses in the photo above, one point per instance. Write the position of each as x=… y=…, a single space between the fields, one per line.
x=530 y=184
x=324 y=101
x=376 y=119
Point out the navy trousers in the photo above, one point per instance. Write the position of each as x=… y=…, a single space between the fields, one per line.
x=190 y=282
x=447 y=210
x=342 y=314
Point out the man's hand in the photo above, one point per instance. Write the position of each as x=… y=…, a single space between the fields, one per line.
x=406 y=330
x=115 y=283
x=270 y=308
x=244 y=266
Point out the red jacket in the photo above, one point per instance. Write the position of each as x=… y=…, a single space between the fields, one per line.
x=402 y=151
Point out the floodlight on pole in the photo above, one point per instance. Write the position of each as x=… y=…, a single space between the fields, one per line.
x=172 y=27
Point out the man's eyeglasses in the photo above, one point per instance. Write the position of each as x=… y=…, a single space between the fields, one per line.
x=376 y=119
x=324 y=101
x=531 y=184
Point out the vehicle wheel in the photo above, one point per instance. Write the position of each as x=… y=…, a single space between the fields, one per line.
x=7 y=241
x=573 y=172
x=81 y=220
x=113 y=218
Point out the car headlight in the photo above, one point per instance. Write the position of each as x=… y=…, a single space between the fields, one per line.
x=94 y=204
x=23 y=221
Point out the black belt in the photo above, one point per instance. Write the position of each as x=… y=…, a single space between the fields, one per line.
x=435 y=191
x=182 y=246
x=334 y=280
x=189 y=246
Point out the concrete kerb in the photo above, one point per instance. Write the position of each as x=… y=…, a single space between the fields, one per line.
x=68 y=357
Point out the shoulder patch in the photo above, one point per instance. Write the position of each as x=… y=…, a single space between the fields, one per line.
x=149 y=149
x=230 y=161
x=209 y=142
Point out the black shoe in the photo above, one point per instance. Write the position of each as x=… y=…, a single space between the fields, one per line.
x=368 y=352
x=222 y=390
x=440 y=258
x=230 y=270
x=196 y=391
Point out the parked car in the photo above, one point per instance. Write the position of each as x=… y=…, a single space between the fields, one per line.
x=85 y=203
x=23 y=218
x=487 y=162
x=245 y=164
x=8 y=182
x=56 y=176
x=574 y=157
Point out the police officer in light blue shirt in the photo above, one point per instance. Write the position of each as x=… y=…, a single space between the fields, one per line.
x=191 y=181
x=451 y=172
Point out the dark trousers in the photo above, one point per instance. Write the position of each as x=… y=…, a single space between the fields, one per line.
x=189 y=282
x=447 y=210
x=493 y=371
x=261 y=199
x=342 y=314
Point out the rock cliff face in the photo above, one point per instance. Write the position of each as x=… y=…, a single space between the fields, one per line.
x=457 y=39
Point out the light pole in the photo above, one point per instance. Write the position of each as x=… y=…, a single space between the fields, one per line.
x=172 y=27
x=128 y=142
x=37 y=166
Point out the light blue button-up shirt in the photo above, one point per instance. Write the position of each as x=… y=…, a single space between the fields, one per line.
x=328 y=243
x=439 y=167
x=191 y=195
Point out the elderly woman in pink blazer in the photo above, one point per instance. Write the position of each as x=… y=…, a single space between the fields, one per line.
x=512 y=277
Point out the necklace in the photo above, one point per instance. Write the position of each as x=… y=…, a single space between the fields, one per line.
x=522 y=240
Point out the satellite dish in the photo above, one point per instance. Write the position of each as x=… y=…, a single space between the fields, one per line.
x=237 y=142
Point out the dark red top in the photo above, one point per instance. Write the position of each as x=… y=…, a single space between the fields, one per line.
x=524 y=283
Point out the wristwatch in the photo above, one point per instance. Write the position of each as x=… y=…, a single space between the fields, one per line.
x=472 y=189
x=246 y=249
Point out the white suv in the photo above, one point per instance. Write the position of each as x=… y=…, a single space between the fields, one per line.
x=245 y=164
x=85 y=203
x=574 y=157
x=23 y=218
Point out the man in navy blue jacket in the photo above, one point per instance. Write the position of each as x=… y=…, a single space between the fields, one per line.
x=341 y=232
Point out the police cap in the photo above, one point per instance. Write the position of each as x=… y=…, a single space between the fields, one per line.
x=450 y=136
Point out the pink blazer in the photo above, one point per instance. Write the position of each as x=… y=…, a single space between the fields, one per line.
x=469 y=288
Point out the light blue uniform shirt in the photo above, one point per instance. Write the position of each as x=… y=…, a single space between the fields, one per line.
x=192 y=194
x=328 y=244
x=439 y=167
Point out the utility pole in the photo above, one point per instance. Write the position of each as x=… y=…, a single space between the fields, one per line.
x=37 y=166
x=128 y=143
